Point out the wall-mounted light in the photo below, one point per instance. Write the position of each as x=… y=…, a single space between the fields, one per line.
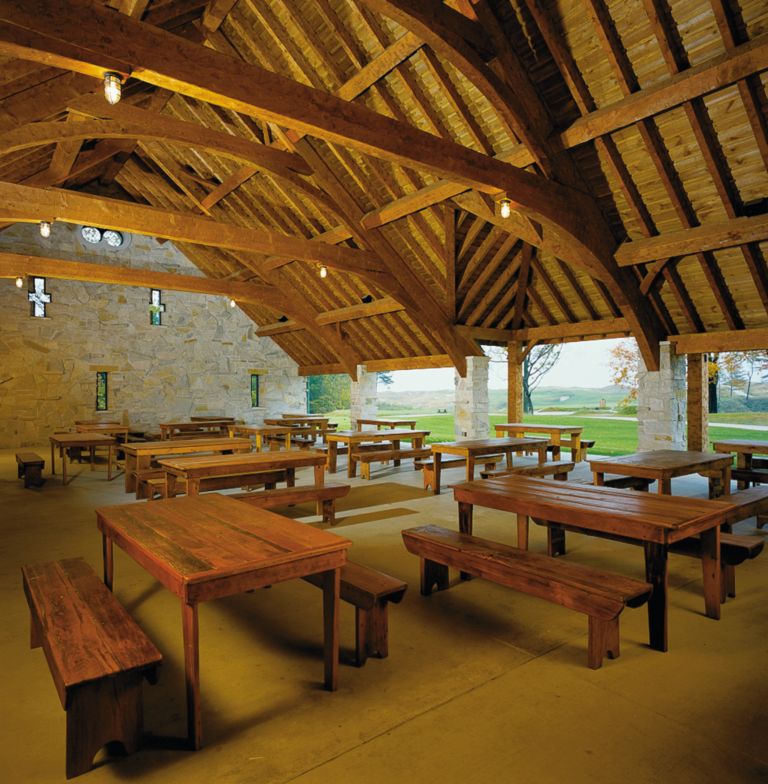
x=19 y=282
x=505 y=208
x=232 y=303
x=45 y=229
x=323 y=271
x=113 y=87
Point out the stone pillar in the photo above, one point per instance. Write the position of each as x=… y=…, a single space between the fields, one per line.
x=514 y=382
x=661 y=403
x=698 y=402
x=471 y=400
x=362 y=396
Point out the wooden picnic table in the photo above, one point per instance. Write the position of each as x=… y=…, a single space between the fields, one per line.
x=472 y=450
x=392 y=424
x=556 y=433
x=209 y=427
x=211 y=418
x=304 y=425
x=209 y=547
x=353 y=438
x=139 y=454
x=663 y=465
x=260 y=432
x=117 y=430
x=745 y=451
x=196 y=468
x=655 y=521
x=88 y=440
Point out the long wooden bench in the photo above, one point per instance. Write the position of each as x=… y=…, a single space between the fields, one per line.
x=156 y=487
x=489 y=463
x=325 y=497
x=747 y=476
x=384 y=456
x=30 y=468
x=734 y=548
x=556 y=469
x=600 y=595
x=96 y=653
x=370 y=591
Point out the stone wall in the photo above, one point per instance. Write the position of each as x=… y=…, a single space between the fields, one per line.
x=363 y=401
x=471 y=406
x=197 y=362
x=661 y=403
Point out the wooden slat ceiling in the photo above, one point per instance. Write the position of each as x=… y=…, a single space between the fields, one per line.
x=635 y=119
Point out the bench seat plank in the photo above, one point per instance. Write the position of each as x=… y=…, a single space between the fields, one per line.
x=96 y=653
x=325 y=497
x=600 y=595
x=559 y=469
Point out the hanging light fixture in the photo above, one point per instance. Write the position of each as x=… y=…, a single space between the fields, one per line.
x=19 y=282
x=323 y=271
x=505 y=208
x=232 y=303
x=45 y=228
x=113 y=87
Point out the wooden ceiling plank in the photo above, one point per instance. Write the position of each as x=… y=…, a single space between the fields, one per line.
x=581 y=294
x=215 y=13
x=475 y=259
x=542 y=273
x=449 y=256
x=503 y=266
x=524 y=277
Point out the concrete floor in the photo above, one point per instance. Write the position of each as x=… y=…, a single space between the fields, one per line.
x=482 y=684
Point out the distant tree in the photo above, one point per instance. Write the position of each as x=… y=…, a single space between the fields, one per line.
x=624 y=368
x=385 y=377
x=538 y=361
x=328 y=393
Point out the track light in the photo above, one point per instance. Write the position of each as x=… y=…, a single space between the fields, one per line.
x=323 y=271
x=505 y=208
x=113 y=87
x=19 y=282
x=45 y=229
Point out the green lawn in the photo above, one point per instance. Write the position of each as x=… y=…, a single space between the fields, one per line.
x=611 y=436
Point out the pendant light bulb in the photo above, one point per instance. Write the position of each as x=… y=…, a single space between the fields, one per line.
x=505 y=208
x=19 y=282
x=323 y=271
x=232 y=303
x=45 y=229
x=113 y=87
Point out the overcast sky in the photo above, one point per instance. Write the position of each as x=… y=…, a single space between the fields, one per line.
x=580 y=365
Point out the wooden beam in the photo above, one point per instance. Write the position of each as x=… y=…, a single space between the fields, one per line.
x=697 y=409
x=163 y=128
x=32 y=29
x=321 y=370
x=364 y=310
x=714 y=342
x=215 y=12
x=279 y=328
x=709 y=76
x=577 y=330
x=15 y=264
x=408 y=363
x=724 y=234
x=72 y=207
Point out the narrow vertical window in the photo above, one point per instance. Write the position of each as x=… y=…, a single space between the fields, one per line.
x=254 y=390
x=156 y=308
x=101 y=391
x=38 y=298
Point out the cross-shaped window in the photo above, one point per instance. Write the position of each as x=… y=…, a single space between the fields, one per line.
x=38 y=297
x=156 y=308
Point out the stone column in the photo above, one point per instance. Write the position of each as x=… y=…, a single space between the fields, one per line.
x=362 y=397
x=471 y=400
x=514 y=382
x=698 y=402
x=661 y=403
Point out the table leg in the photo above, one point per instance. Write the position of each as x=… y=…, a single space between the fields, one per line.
x=664 y=486
x=53 y=460
x=170 y=485
x=436 y=460
x=107 y=552
x=656 y=573
x=542 y=453
x=470 y=468
x=396 y=447
x=710 y=571
x=192 y=673
x=744 y=461
x=522 y=532
x=319 y=475
x=129 y=481
x=351 y=464
x=333 y=451
x=556 y=446
x=290 y=477
x=331 y=589
x=64 y=466
x=92 y=455
x=109 y=462
x=599 y=478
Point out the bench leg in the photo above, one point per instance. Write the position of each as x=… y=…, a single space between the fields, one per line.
x=727 y=581
x=433 y=573
x=522 y=532
x=365 y=470
x=105 y=711
x=429 y=477
x=328 y=511
x=371 y=637
x=603 y=641
x=555 y=540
